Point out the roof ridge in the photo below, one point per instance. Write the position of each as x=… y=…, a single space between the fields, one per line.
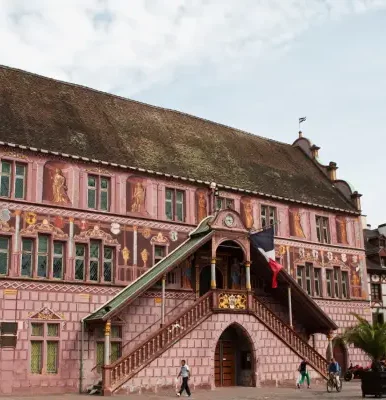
x=2 y=66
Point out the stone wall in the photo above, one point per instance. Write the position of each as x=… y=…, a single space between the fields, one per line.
x=67 y=304
x=275 y=362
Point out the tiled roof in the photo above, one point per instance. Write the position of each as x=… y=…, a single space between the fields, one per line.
x=48 y=114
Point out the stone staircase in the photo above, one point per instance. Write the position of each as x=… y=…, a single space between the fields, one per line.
x=121 y=371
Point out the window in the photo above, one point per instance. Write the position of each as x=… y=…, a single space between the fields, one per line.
x=171 y=278
x=49 y=259
x=4 y=251
x=159 y=253
x=329 y=282
x=317 y=282
x=115 y=345
x=322 y=229
x=268 y=217
x=299 y=275
x=336 y=282
x=376 y=294
x=378 y=318
x=27 y=258
x=94 y=263
x=345 y=285
x=108 y=255
x=12 y=179
x=45 y=339
x=58 y=262
x=98 y=193
x=224 y=203
x=308 y=279
x=383 y=263
x=175 y=205
x=42 y=256
x=80 y=254
x=8 y=334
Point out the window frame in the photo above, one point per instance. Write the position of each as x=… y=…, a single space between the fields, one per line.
x=265 y=215
x=317 y=272
x=156 y=258
x=379 y=286
x=98 y=190
x=87 y=259
x=44 y=339
x=323 y=227
x=13 y=176
x=226 y=203
x=174 y=203
x=7 y=253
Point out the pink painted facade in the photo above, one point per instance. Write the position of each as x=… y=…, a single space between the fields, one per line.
x=47 y=286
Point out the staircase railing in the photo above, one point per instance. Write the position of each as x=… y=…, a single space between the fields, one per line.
x=116 y=374
x=126 y=346
x=289 y=337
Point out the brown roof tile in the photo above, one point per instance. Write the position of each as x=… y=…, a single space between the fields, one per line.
x=45 y=113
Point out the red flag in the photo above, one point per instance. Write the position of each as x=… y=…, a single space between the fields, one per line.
x=275 y=267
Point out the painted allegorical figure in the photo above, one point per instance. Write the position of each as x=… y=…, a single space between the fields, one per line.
x=297 y=229
x=248 y=211
x=201 y=213
x=341 y=230
x=138 y=198
x=59 y=188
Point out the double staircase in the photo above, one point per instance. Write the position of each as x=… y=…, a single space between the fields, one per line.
x=117 y=374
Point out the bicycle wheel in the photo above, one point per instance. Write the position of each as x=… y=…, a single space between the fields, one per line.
x=339 y=387
x=330 y=386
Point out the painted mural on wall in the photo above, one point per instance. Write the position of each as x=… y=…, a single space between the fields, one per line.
x=341 y=230
x=296 y=228
x=136 y=195
x=83 y=242
x=247 y=212
x=55 y=187
x=201 y=201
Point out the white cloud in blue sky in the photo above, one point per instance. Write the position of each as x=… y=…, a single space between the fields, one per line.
x=255 y=65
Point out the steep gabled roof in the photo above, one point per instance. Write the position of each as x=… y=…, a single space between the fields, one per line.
x=48 y=114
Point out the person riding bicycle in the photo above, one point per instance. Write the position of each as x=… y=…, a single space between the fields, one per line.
x=334 y=368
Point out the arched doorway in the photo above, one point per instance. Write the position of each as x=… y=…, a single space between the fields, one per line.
x=205 y=278
x=340 y=354
x=234 y=363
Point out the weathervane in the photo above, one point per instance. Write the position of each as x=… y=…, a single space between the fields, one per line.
x=301 y=119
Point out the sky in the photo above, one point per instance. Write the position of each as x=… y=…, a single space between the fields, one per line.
x=257 y=65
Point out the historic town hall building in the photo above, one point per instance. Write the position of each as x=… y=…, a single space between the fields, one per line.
x=125 y=247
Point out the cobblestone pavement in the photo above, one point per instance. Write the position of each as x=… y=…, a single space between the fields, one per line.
x=351 y=391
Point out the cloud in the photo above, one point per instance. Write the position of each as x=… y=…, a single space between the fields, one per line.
x=126 y=46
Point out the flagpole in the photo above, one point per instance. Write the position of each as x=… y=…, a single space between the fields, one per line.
x=289 y=289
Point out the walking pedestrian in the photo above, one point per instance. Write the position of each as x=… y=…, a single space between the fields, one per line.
x=185 y=375
x=303 y=374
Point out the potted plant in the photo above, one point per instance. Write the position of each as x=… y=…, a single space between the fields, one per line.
x=371 y=339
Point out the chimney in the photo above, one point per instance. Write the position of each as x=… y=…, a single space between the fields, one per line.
x=315 y=151
x=300 y=134
x=357 y=200
x=332 y=170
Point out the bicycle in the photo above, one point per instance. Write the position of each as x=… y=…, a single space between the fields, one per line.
x=333 y=383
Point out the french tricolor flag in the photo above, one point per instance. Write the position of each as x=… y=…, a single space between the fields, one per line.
x=264 y=242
